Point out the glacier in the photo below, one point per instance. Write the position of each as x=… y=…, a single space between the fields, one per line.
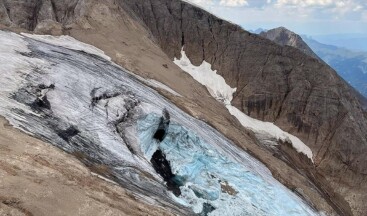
x=81 y=102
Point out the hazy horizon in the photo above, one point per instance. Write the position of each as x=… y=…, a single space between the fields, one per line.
x=309 y=17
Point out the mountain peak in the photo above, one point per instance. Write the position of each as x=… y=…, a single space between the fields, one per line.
x=286 y=37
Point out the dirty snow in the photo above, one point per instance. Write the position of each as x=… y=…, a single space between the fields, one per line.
x=68 y=42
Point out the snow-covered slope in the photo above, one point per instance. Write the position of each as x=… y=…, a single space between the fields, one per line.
x=217 y=87
x=88 y=106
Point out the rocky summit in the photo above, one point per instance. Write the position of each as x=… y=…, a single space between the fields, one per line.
x=164 y=108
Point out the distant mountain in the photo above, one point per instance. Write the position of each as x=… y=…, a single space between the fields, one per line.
x=257 y=31
x=349 y=41
x=351 y=65
x=283 y=36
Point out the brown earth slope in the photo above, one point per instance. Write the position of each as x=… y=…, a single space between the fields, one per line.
x=274 y=83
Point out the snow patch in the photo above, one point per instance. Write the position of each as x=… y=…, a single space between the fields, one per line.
x=203 y=73
x=268 y=128
x=68 y=42
x=221 y=91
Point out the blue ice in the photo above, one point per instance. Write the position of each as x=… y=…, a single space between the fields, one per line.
x=202 y=170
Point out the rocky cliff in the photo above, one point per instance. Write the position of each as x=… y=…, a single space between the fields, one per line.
x=274 y=83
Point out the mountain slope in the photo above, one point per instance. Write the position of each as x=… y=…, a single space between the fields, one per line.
x=284 y=37
x=266 y=75
x=350 y=65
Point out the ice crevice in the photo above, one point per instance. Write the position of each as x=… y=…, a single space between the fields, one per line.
x=109 y=117
x=221 y=91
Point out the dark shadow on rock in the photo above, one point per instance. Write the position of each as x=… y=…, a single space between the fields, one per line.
x=163 y=168
x=207 y=208
x=160 y=134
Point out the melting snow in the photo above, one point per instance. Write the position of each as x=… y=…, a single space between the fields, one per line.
x=214 y=82
x=268 y=128
x=220 y=90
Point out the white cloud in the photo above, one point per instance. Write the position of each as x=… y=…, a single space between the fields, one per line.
x=304 y=16
x=223 y=3
x=203 y=3
x=307 y=3
x=233 y=3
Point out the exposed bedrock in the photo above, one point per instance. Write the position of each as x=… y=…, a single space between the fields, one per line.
x=28 y=14
x=161 y=132
x=160 y=163
x=163 y=168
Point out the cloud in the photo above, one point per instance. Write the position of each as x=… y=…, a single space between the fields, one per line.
x=304 y=16
x=203 y=3
x=307 y=3
x=233 y=3
x=219 y=3
x=322 y=4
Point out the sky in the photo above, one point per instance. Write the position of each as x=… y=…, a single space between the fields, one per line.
x=310 y=17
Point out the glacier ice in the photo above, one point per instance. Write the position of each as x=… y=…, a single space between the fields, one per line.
x=104 y=113
x=202 y=170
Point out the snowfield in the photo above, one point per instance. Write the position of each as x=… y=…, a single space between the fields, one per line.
x=86 y=105
x=221 y=91
x=203 y=73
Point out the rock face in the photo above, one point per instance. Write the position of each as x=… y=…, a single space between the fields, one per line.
x=285 y=37
x=280 y=84
x=28 y=14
